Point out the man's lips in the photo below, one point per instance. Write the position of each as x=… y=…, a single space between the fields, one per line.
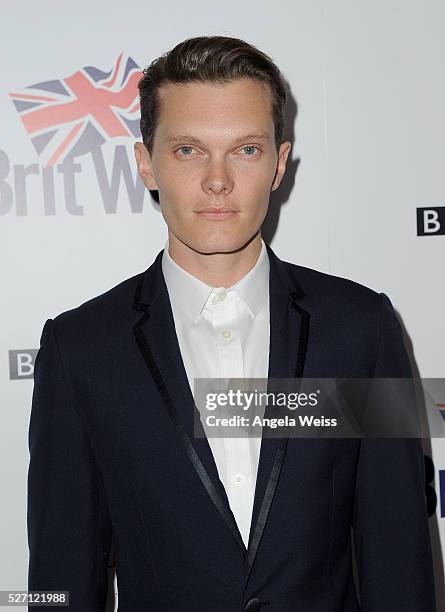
x=214 y=212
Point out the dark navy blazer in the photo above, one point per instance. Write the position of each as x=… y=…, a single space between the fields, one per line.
x=113 y=458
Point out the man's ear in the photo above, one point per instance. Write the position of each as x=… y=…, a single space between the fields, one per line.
x=283 y=153
x=145 y=167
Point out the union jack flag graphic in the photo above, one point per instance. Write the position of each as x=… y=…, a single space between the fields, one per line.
x=82 y=111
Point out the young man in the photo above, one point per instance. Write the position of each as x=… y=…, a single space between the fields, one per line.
x=208 y=524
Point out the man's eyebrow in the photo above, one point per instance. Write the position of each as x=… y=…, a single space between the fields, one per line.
x=193 y=139
x=253 y=136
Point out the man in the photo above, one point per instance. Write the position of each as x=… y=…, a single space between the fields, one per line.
x=209 y=524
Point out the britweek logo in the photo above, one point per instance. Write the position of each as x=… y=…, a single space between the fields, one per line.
x=69 y=120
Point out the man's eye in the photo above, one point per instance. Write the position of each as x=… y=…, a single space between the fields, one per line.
x=186 y=151
x=250 y=149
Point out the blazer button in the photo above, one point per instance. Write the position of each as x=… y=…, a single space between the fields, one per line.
x=253 y=605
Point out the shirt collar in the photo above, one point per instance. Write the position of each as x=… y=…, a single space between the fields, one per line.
x=191 y=294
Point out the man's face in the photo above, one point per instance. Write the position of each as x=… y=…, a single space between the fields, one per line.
x=214 y=147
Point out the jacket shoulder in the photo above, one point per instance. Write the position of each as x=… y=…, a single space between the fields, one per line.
x=353 y=316
x=340 y=302
x=324 y=285
x=105 y=312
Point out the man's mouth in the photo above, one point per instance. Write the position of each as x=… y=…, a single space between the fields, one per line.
x=216 y=212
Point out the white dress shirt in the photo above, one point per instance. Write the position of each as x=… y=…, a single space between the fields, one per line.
x=225 y=333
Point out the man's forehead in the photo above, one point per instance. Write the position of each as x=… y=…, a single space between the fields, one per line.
x=242 y=114
x=246 y=96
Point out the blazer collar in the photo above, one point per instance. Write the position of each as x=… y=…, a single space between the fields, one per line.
x=191 y=294
x=281 y=281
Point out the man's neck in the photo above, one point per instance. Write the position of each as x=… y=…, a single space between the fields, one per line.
x=216 y=269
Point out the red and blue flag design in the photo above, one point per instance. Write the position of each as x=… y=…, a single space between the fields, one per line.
x=81 y=111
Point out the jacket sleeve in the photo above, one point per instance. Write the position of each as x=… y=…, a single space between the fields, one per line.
x=69 y=529
x=391 y=533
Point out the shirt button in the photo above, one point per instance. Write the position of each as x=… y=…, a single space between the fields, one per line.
x=239 y=479
x=223 y=295
x=226 y=334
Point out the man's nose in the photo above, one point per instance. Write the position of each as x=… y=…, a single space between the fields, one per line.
x=218 y=177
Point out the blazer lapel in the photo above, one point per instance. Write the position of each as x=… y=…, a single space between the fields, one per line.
x=156 y=338
x=289 y=331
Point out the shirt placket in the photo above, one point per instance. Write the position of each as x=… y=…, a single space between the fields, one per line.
x=227 y=314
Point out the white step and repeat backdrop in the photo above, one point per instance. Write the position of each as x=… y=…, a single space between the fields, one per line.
x=365 y=180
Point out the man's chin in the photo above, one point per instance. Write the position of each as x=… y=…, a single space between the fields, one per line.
x=211 y=245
